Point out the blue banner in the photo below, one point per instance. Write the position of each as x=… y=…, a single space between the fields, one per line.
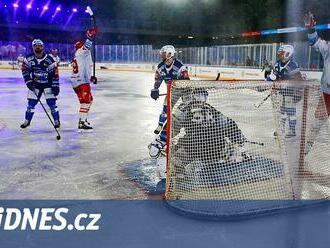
x=150 y=223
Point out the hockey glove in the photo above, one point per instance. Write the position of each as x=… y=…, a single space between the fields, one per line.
x=93 y=79
x=154 y=94
x=310 y=22
x=91 y=33
x=55 y=89
x=30 y=85
x=271 y=76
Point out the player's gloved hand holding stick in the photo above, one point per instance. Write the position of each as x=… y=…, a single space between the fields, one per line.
x=154 y=94
x=310 y=22
x=30 y=85
x=91 y=34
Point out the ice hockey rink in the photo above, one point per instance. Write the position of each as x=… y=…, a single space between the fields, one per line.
x=112 y=162
x=34 y=165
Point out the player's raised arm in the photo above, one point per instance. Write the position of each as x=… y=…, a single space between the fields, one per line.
x=314 y=40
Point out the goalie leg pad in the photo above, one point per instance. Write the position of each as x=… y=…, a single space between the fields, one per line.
x=156 y=148
x=161 y=166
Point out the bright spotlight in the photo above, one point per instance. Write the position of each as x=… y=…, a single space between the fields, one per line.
x=74 y=10
x=15 y=5
x=45 y=7
x=29 y=6
x=58 y=9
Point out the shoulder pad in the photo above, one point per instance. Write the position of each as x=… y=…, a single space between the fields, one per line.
x=161 y=64
x=293 y=64
x=178 y=63
x=30 y=57
x=50 y=59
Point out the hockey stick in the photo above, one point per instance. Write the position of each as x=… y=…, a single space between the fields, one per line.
x=58 y=137
x=255 y=143
x=164 y=94
x=263 y=101
x=218 y=77
x=93 y=22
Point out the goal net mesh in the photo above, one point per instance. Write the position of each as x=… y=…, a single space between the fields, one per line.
x=244 y=147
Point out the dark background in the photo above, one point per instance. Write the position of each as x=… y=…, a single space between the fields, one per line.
x=210 y=22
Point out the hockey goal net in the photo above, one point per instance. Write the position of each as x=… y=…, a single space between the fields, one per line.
x=246 y=147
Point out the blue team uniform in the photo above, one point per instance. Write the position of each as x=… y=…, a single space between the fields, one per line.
x=44 y=75
x=175 y=71
x=290 y=96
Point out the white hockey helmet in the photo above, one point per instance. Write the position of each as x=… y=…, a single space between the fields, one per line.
x=285 y=53
x=37 y=42
x=167 y=52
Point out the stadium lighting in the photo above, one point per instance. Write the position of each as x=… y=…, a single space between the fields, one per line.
x=15 y=5
x=5 y=6
x=45 y=7
x=190 y=37
x=58 y=9
x=29 y=6
x=74 y=10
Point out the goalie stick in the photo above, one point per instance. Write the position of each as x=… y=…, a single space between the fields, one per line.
x=93 y=23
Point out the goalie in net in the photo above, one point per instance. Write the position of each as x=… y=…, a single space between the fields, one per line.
x=211 y=132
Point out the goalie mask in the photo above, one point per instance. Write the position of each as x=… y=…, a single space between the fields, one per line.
x=196 y=95
x=285 y=53
x=167 y=52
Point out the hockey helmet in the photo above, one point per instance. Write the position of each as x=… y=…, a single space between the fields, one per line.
x=78 y=44
x=285 y=53
x=167 y=52
x=54 y=51
x=37 y=42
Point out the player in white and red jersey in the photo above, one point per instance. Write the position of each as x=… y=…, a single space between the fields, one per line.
x=323 y=47
x=82 y=76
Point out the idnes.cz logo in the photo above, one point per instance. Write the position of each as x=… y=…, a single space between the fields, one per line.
x=46 y=219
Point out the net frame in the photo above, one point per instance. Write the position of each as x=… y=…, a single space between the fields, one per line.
x=231 y=208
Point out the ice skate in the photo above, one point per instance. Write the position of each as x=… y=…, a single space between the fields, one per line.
x=84 y=126
x=158 y=129
x=25 y=124
x=57 y=124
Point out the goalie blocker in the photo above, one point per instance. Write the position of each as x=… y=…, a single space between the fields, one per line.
x=222 y=158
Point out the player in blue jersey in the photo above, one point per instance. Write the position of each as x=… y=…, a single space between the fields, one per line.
x=170 y=68
x=286 y=68
x=40 y=73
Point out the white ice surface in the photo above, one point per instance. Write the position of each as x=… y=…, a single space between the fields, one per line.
x=33 y=165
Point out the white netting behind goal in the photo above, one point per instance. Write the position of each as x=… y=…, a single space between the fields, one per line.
x=232 y=143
